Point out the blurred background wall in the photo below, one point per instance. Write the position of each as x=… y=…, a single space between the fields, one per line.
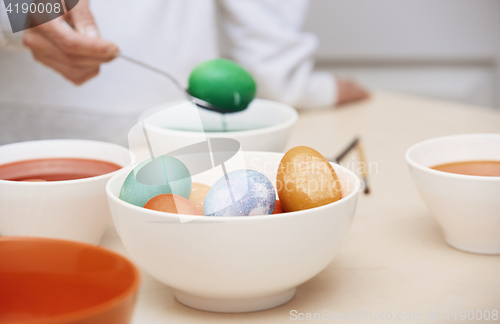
x=448 y=49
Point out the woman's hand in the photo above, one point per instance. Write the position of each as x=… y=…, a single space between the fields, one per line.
x=75 y=53
x=349 y=91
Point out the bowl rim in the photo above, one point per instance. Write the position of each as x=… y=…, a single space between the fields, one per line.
x=68 y=182
x=450 y=175
x=354 y=193
x=250 y=132
x=93 y=310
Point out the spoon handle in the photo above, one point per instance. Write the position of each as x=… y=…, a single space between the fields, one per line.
x=152 y=68
x=197 y=101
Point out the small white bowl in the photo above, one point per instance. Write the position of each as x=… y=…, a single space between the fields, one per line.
x=264 y=126
x=235 y=264
x=466 y=207
x=74 y=209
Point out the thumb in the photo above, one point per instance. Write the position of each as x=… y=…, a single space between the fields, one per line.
x=83 y=20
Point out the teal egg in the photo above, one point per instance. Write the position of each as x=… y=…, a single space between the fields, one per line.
x=224 y=84
x=153 y=177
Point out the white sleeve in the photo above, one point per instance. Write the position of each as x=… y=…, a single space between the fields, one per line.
x=8 y=39
x=266 y=39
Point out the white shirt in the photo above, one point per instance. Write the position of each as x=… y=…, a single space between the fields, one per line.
x=173 y=35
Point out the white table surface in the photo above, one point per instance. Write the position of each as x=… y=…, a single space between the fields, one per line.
x=395 y=260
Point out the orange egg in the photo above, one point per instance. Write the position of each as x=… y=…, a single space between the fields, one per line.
x=175 y=204
x=198 y=193
x=306 y=180
x=277 y=208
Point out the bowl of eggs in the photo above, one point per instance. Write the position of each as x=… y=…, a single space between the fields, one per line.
x=240 y=237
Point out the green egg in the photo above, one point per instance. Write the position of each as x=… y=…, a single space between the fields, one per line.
x=222 y=83
x=163 y=175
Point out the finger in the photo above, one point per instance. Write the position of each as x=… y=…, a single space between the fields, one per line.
x=38 y=43
x=82 y=20
x=359 y=92
x=77 y=75
x=364 y=93
x=71 y=42
x=349 y=91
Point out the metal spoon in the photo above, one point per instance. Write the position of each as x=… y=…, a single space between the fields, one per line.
x=197 y=101
x=200 y=103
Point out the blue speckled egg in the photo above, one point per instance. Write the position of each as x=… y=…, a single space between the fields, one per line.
x=244 y=193
x=162 y=175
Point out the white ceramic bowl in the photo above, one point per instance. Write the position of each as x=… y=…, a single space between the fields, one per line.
x=264 y=126
x=235 y=264
x=75 y=209
x=466 y=207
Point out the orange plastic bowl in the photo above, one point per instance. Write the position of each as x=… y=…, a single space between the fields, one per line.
x=54 y=281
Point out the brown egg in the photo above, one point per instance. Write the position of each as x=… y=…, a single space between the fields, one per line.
x=170 y=203
x=277 y=208
x=198 y=193
x=306 y=180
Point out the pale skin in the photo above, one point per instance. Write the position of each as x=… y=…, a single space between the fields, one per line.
x=350 y=91
x=78 y=52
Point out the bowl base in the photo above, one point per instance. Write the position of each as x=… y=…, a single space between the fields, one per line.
x=235 y=305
